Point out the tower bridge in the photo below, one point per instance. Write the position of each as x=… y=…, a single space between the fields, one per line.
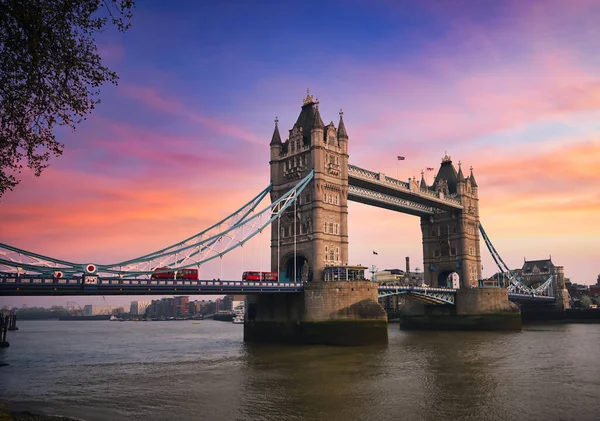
x=311 y=184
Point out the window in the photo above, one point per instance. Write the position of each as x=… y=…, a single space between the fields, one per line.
x=336 y=228
x=325 y=227
x=337 y=254
x=331 y=228
x=337 y=199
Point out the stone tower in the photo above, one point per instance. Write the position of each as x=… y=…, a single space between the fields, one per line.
x=315 y=234
x=451 y=239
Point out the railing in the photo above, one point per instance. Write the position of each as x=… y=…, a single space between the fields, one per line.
x=425 y=294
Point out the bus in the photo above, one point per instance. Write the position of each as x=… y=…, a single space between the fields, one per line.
x=260 y=276
x=170 y=274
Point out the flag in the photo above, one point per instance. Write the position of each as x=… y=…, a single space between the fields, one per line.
x=400 y=158
x=374 y=252
x=430 y=169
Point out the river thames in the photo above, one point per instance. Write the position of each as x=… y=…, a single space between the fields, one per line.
x=101 y=370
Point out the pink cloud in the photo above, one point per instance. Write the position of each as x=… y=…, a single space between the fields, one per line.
x=150 y=97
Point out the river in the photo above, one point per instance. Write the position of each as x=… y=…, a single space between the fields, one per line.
x=101 y=370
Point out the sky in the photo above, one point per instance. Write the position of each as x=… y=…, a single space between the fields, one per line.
x=511 y=88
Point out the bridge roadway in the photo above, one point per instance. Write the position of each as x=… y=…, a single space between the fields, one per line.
x=94 y=285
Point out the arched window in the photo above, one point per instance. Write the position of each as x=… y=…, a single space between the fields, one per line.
x=337 y=254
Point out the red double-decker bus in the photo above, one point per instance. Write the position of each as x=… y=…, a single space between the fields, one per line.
x=181 y=274
x=260 y=276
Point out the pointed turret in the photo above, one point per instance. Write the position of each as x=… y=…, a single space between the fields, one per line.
x=447 y=174
x=318 y=121
x=473 y=182
x=423 y=185
x=461 y=177
x=342 y=128
x=276 y=139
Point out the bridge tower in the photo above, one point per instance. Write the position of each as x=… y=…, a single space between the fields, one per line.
x=314 y=234
x=451 y=239
x=311 y=235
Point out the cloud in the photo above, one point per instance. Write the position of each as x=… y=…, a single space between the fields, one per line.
x=150 y=97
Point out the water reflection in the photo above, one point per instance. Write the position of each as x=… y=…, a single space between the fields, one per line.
x=316 y=382
x=160 y=371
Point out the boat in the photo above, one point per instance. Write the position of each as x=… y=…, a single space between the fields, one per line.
x=238 y=319
x=195 y=323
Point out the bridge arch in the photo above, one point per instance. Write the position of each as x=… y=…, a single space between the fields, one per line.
x=302 y=267
x=445 y=279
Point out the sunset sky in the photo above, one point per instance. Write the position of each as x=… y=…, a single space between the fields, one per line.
x=511 y=88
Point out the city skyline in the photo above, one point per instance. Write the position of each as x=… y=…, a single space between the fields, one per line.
x=510 y=89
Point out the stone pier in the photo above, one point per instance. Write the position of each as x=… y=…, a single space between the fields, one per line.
x=328 y=313
x=475 y=309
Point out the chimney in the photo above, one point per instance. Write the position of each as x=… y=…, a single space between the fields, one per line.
x=407 y=264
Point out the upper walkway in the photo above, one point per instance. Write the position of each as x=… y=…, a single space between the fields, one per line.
x=377 y=189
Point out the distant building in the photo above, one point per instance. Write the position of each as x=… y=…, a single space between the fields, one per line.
x=180 y=306
x=139 y=307
x=92 y=310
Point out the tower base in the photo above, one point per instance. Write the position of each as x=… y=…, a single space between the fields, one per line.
x=327 y=313
x=476 y=309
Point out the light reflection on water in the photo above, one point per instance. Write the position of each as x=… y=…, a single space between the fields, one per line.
x=99 y=370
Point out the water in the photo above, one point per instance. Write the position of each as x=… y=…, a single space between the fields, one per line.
x=101 y=370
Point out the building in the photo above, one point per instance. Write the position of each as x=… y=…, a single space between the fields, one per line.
x=180 y=306
x=92 y=310
x=139 y=307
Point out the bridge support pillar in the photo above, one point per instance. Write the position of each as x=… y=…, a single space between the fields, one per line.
x=327 y=313
x=475 y=309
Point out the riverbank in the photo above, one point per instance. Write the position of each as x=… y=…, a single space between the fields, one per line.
x=28 y=416
x=5 y=415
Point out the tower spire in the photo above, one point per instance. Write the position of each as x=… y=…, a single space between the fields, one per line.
x=423 y=185
x=318 y=121
x=461 y=177
x=342 y=128
x=276 y=138
x=473 y=182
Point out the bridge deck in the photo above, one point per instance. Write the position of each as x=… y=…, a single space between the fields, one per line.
x=39 y=286
x=94 y=285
